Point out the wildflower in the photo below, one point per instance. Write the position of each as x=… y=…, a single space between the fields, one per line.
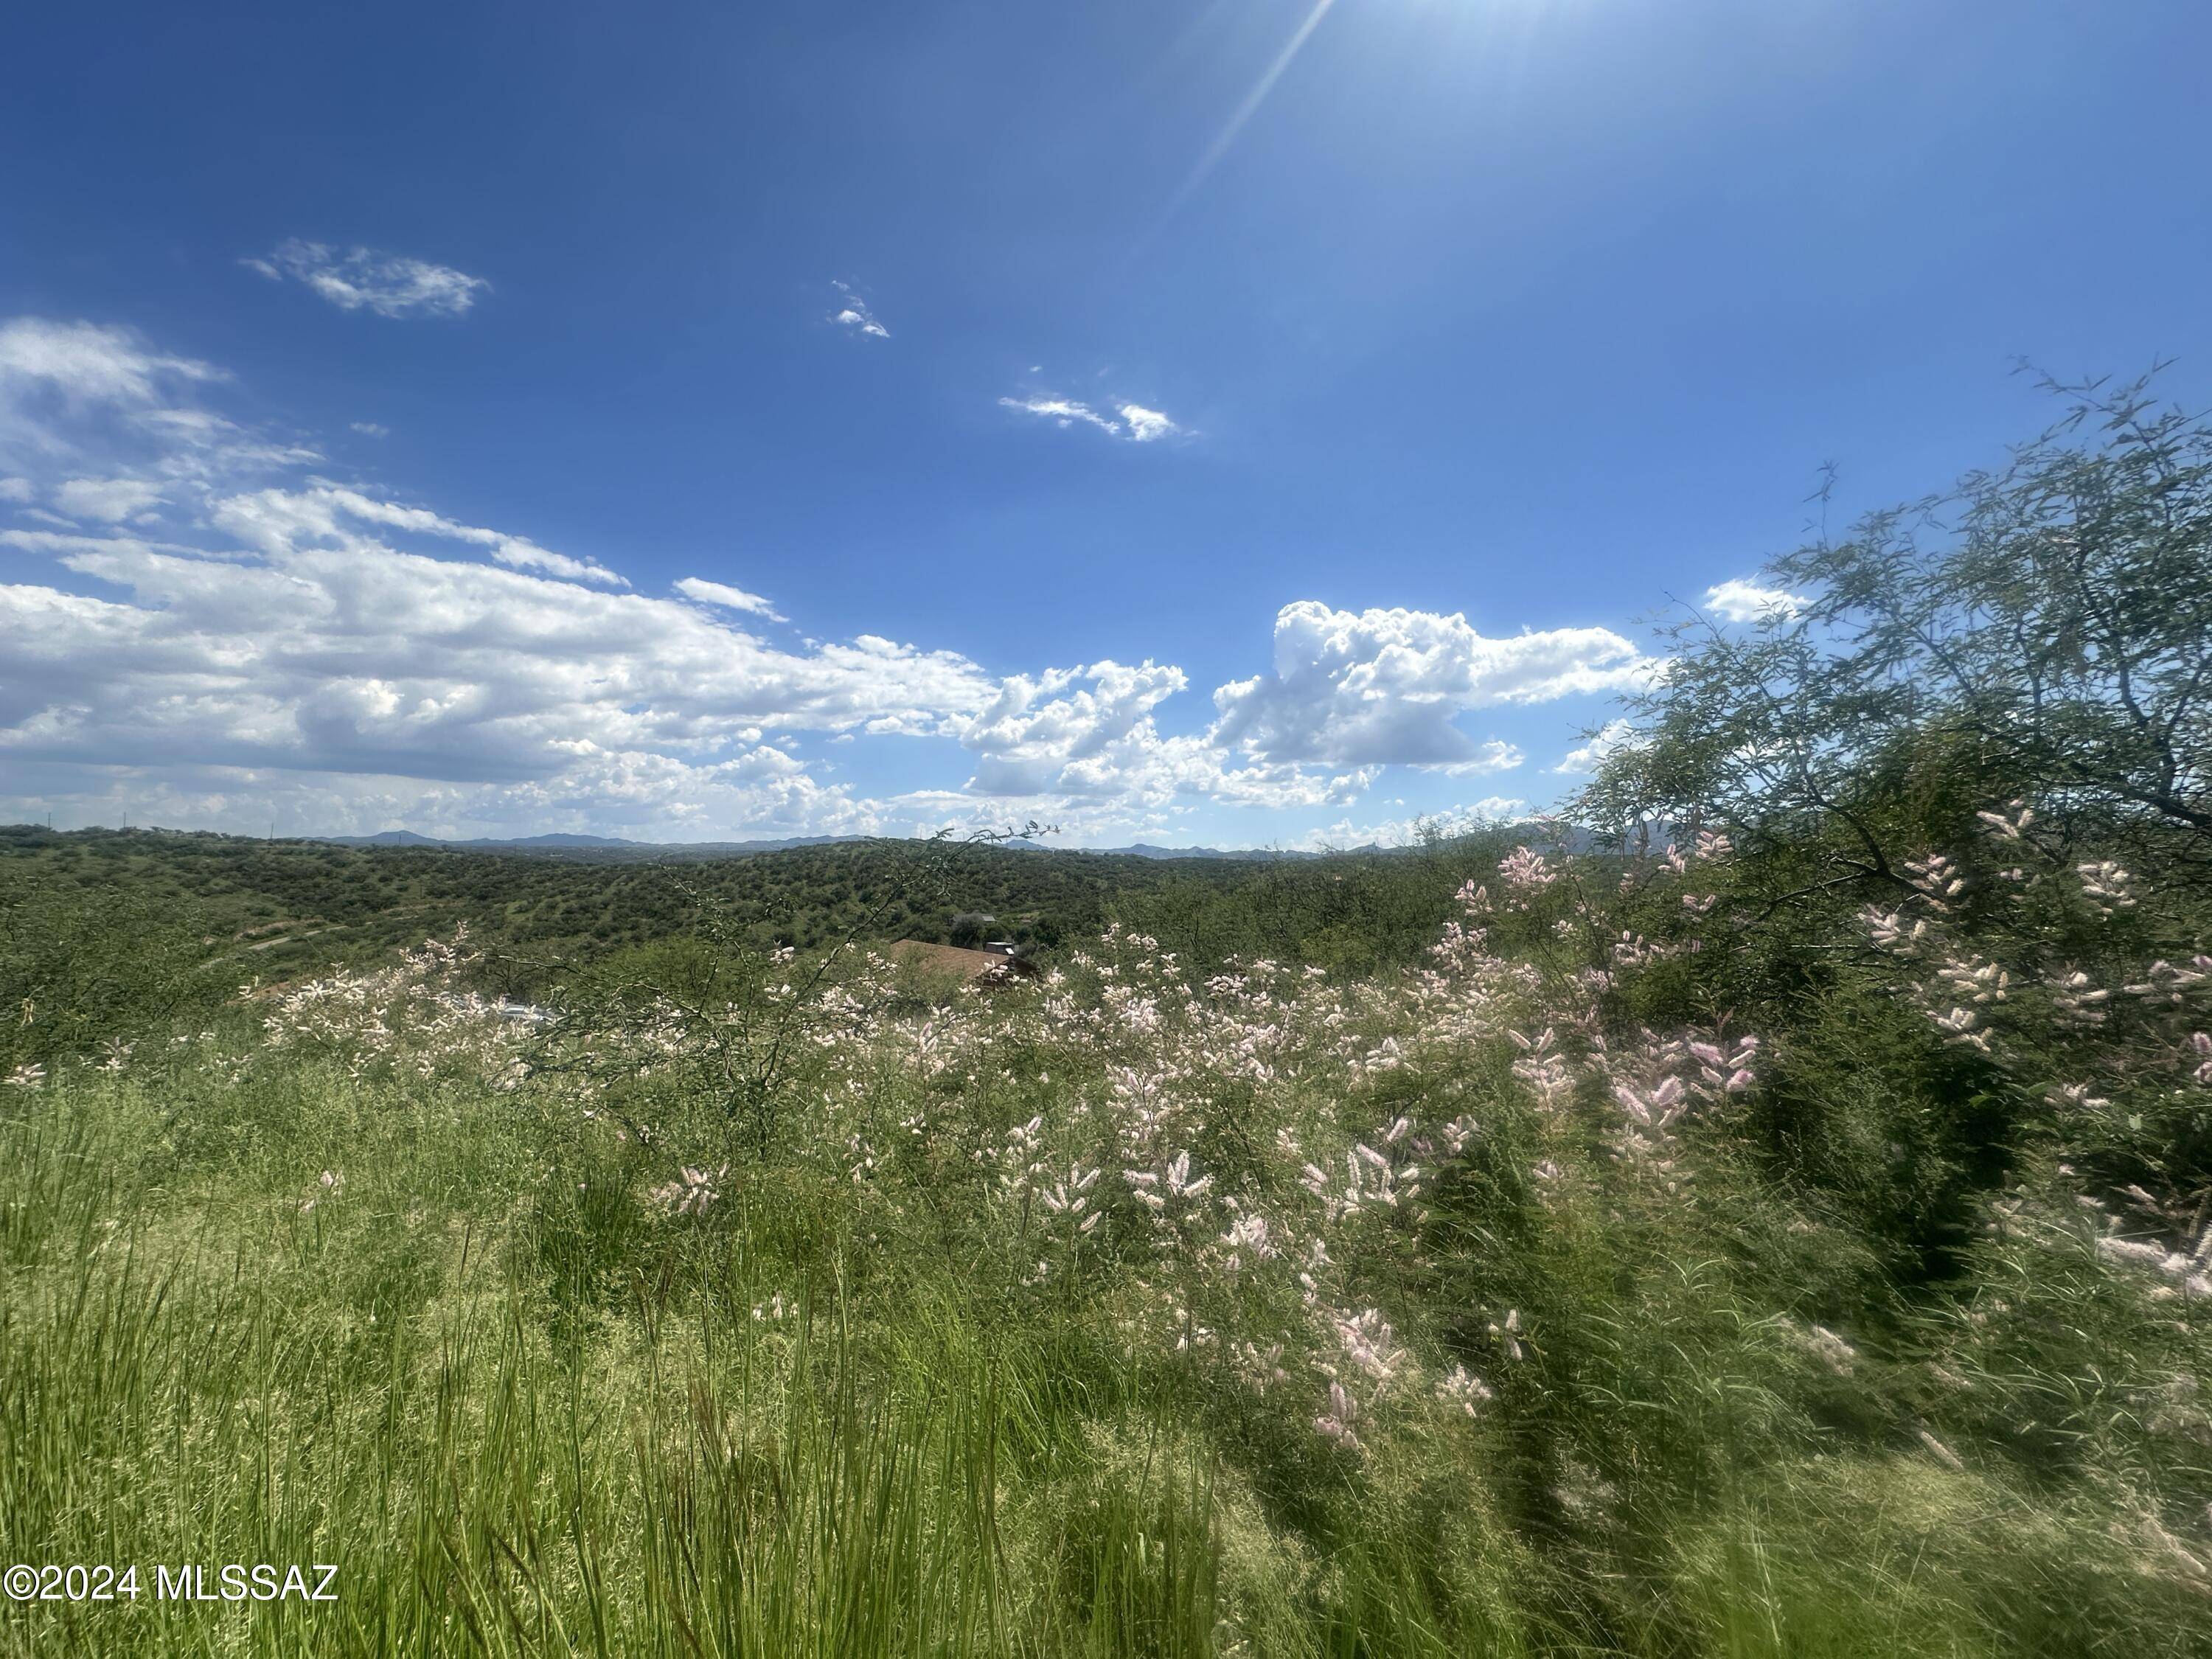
x=1367 y=1341
x=1071 y=1198
x=1957 y=1026
x=1456 y=1135
x=2107 y=885
x=1508 y=1334
x=1466 y=1390
x=1262 y=1365
x=1248 y=1233
x=1939 y=880
x=1336 y=1423
x=330 y=1183
x=2074 y=1094
x=1523 y=873
x=1179 y=1182
x=1891 y=932
x=1147 y=1185
x=689 y=1193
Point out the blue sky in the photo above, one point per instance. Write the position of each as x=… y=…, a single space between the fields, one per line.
x=1102 y=413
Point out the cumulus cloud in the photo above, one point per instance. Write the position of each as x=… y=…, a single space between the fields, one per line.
x=1738 y=600
x=1087 y=735
x=1132 y=422
x=363 y=279
x=854 y=316
x=349 y=656
x=1587 y=756
x=1376 y=688
x=308 y=642
x=293 y=643
x=727 y=597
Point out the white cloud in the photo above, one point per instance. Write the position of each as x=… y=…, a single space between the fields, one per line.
x=104 y=424
x=1491 y=755
x=371 y=429
x=361 y=279
x=729 y=599
x=83 y=363
x=852 y=314
x=357 y=658
x=109 y=499
x=277 y=519
x=1738 y=600
x=303 y=645
x=317 y=650
x=1345 y=834
x=274 y=519
x=1147 y=424
x=1586 y=757
x=1376 y=688
x=1076 y=738
x=1062 y=409
x=1135 y=424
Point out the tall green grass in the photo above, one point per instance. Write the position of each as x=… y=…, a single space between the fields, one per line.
x=294 y=1305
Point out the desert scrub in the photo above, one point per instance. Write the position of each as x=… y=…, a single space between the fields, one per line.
x=1541 y=1297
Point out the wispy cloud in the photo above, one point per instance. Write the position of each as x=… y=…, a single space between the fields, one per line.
x=371 y=429
x=325 y=513
x=110 y=500
x=363 y=279
x=853 y=314
x=727 y=597
x=1132 y=422
x=81 y=364
x=1738 y=600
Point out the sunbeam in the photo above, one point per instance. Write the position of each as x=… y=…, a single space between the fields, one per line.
x=1245 y=109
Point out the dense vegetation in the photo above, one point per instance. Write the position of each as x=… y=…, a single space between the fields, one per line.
x=1784 y=1234
x=279 y=910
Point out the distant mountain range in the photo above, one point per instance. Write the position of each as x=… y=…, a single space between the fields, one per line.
x=616 y=845
x=615 y=850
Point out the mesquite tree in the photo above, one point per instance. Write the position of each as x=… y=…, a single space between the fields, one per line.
x=2041 y=632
